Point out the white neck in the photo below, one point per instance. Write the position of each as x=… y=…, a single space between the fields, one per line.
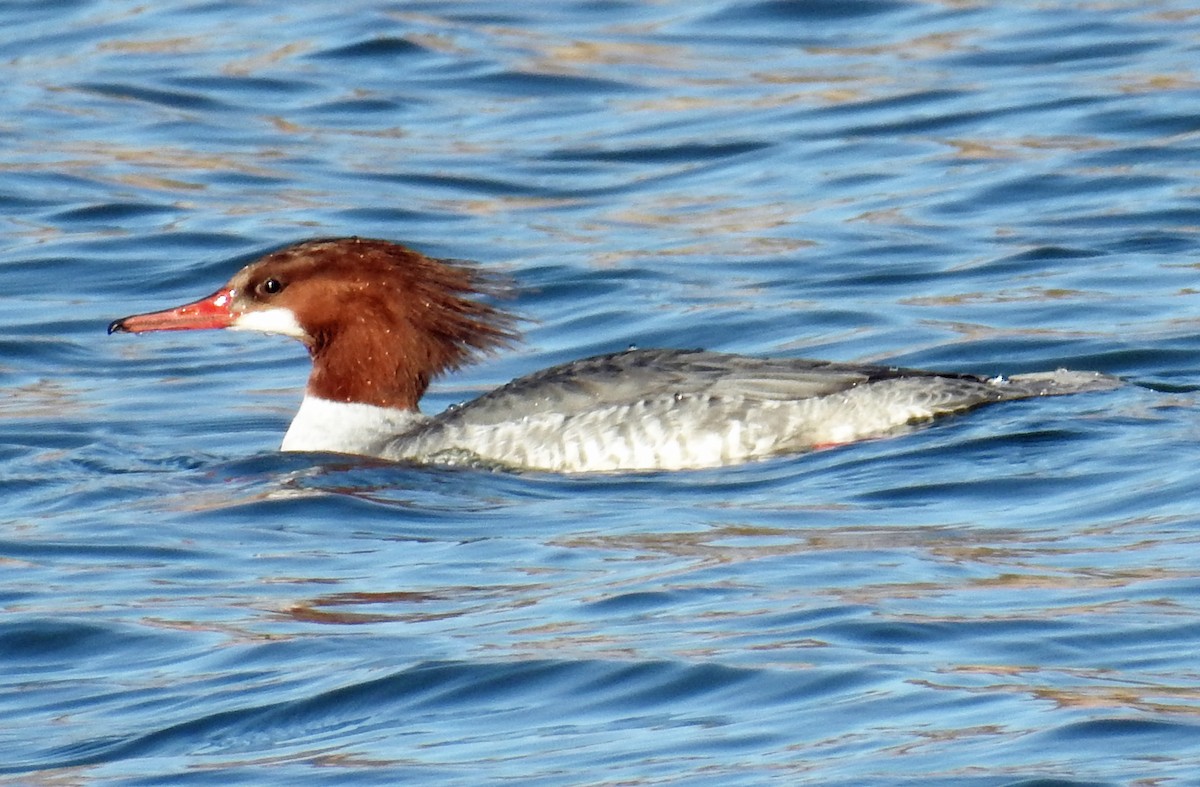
x=346 y=427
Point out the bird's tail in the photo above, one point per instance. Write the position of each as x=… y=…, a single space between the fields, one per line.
x=1056 y=383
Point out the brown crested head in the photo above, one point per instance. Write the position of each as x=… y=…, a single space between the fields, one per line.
x=380 y=320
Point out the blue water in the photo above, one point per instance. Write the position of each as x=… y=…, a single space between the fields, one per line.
x=1001 y=598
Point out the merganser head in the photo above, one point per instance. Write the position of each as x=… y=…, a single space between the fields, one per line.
x=379 y=319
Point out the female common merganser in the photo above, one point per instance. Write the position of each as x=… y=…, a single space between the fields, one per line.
x=381 y=320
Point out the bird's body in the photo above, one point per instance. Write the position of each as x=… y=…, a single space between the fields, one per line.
x=381 y=320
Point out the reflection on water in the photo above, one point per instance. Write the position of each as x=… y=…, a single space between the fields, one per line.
x=998 y=598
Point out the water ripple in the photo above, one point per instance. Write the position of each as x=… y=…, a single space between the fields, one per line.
x=1003 y=598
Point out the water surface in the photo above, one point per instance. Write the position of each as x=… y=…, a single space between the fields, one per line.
x=1004 y=597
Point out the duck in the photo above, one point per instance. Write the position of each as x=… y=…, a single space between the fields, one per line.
x=381 y=321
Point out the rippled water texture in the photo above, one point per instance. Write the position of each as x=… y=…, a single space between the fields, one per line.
x=1005 y=597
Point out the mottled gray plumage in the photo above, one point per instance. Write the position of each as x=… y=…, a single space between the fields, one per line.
x=678 y=409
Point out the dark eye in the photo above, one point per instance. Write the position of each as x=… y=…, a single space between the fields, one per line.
x=271 y=287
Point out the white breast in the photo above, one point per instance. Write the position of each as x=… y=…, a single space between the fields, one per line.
x=346 y=427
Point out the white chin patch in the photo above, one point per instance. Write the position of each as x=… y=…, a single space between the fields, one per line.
x=277 y=320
